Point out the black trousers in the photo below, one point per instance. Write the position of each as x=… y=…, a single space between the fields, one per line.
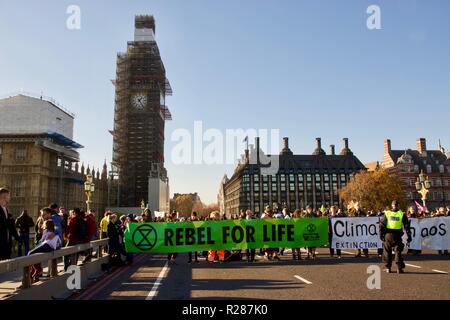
x=365 y=252
x=172 y=256
x=393 y=241
x=195 y=255
x=251 y=254
x=338 y=251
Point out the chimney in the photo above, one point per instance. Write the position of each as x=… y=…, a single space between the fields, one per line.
x=346 y=143
x=319 y=150
x=387 y=146
x=286 y=150
x=257 y=149
x=333 y=150
x=346 y=150
x=421 y=145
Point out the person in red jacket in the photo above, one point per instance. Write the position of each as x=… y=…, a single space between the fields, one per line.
x=92 y=232
x=77 y=232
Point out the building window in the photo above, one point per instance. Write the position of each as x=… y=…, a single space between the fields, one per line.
x=18 y=187
x=428 y=168
x=291 y=186
x=21 y=153
x=300 y=178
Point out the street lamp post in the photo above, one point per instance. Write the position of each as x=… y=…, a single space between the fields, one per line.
x=89 y=188
x=423 y=186
x=142 y=206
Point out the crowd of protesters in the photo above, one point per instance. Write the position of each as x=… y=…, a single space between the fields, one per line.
x=56 y=228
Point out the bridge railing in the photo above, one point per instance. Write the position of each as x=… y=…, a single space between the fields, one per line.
x=26 y=262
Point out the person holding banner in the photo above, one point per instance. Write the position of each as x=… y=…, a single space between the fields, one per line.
x=310 y=213
x=250 y=252
x=214 y=255
x=270 y=253
x=171 y=217
x=441 y=213
x=391 y=232
x=356 y=211
x=296 y=252
x=413 y=214
x=193 y=218
x=334 y=213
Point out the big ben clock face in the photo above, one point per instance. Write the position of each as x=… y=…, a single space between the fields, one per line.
x=139 y=101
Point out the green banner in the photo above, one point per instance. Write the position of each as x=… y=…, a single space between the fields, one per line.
x=166 y=237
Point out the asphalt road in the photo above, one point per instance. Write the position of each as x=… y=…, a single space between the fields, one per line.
x=150 y=277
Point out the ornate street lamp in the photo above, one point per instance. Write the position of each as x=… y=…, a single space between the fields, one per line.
x=423 y=185
x=89 y=188
x=142 y=206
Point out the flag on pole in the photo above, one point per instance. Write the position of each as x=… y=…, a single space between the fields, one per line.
x=322 y=209
x=246 y=142
x=420 y=208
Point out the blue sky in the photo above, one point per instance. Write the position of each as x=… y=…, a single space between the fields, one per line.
x=309 y=68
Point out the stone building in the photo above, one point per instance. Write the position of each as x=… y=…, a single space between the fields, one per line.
x=300 y=180
x=39 y=161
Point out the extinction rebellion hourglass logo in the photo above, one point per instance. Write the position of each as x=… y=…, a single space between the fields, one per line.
x=144 y=237
x=311 y=233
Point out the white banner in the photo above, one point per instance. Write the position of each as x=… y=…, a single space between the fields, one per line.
x=430 y=234
x=364 y=233
x=356 y=233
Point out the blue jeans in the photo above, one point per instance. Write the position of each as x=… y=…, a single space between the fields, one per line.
x=24 y=241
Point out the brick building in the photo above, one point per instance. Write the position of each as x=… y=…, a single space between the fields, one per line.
x=408 y=164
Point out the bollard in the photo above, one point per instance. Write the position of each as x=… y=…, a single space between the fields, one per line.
x=26 y=277
x=53 y=268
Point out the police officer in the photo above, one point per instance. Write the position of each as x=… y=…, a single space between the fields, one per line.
x=391 y=232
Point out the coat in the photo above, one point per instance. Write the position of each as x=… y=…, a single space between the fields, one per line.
x=7 y=230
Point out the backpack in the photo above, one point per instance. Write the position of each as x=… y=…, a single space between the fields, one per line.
x=81 y=229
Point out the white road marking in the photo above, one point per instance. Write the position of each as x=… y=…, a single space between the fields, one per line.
x=412 y=265
x=162 y=274
x=303 y=279
x=439 y=271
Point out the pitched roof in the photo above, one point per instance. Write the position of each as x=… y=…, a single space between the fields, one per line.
x=434 y=158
